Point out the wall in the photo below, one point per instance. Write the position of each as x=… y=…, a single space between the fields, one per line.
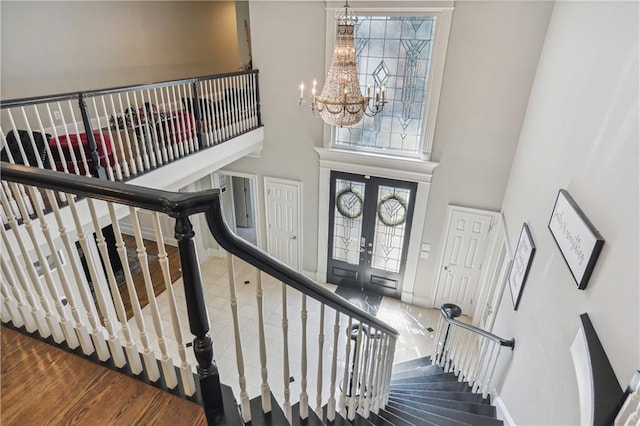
x=288 y=46
x=56 y=47
x=493 y=51
x=581 y=134
x=491 y=61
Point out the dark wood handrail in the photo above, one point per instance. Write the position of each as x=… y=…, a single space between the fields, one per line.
x=448 y=311
x=11 y=103
x=177 y=205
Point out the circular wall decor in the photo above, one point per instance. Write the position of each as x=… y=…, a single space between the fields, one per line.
x=392 y=210
x=349 y=204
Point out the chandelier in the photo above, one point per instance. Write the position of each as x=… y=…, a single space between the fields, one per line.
x=340 y=102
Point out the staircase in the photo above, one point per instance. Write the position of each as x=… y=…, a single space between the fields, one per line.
x=421 y=394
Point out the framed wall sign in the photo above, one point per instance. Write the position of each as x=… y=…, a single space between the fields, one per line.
x=579 y=241
x=521 y=263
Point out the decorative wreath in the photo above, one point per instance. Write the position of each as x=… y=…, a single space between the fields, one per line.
x=394 y=204
x=349 y=203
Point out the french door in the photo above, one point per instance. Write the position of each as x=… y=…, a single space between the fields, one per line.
x=369 y=226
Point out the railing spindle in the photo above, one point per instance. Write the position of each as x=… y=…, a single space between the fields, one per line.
x=110 y=174
x=242 y=381
x=185 y=370
x=28 y=320
x=265 y=389
x=133 y=165
x=114 y=148
x=331 y=403
x=286 y=407
x=345 y=380
x=355 y=375
x=83 y=155
x=320 y=363
x=304 y=397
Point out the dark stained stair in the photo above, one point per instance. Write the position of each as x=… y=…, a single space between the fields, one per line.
x=421 y=394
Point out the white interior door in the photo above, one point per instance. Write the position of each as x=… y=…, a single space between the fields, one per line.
x=284 y=220
x=461 y=258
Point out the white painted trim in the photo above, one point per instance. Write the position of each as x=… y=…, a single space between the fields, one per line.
x=412 y=170
x=501 y=410
x=445 y=235
x=256 y=196
x=300 y=236
x=421 y=301
x=442 y=11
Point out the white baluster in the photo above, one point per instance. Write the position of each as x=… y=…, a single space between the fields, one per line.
x=143 y=131
x=331 y=403
x=489 y=378
x=220 y=119
x=170 y=128
x=100 y=142
x=387 y=378
x=139 y=145
x=179 y=127
x=83 y=155
x=92 y=261
x=347 y=368
x=320 y=359
x=304 y=397
x=253 y=100
x=186 y=375
x=286 y=407
x=160 y=126
x=377 y=378
x=132 y=353
x=95 y=330
x=133 y=165
x=355 y=376
x=114 y=149
x=23 y=155
x=362 y=377
x=80 y=331
x=40 y=316
x=152 y=131
x=265 y=390
x=369 y=391
x=52 y=319
x=122 y=145
x=10 y=313
x=242 y=381
x=26 y=314
x=148 y=356
x=478 y=371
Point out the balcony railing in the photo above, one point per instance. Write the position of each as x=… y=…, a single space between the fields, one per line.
x=123 y=132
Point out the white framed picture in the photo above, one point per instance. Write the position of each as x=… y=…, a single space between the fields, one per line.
x=521 y=263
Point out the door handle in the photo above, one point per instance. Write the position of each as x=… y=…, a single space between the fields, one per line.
x=292 y=237
x=446 y=268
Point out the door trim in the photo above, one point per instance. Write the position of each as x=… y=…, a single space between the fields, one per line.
x=300 y=236
x=495 y=217
x=412 y=170
x=254 y=182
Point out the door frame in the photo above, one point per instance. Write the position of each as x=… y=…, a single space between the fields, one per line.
x=298 y=185
x=254 y=183
x=495 y=218
x=386 y=166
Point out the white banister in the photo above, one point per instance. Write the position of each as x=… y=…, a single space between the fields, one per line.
x=286 y=407
x=186 y=375
x=100 y=142
x=304 y=397
x=83 y=155
x=242 y=381
x=320 y=363
x=265 y=390
x=355 y=376
x=150 y=364
x=52 y=321
x=133 y=164
x=331 y=403
x=26 y=315
x=345 y=379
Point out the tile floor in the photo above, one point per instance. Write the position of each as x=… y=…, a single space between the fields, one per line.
x=410 y=321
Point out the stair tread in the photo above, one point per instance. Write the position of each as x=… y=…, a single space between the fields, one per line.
x=275 y=418
x=418 y=371
x=376 y=420
x=441 y=377
x=397 y=420
x=311 y=420
x=453 y=386
x=443 y=394
x=409 y=365
x=469 y=407
x=420 y=410
x=423 y=418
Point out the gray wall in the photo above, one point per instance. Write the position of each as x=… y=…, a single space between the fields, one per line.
x=54 y=47
x=581 y=134
x=492 y=56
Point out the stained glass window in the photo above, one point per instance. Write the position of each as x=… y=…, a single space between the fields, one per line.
x=390 y=228
x=394 y=52
x=348 y=220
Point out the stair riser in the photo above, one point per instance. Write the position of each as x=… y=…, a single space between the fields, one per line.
x=417 y=372
x=448 y=377
x=452 y=395
x=450 y=386
x=420 y=410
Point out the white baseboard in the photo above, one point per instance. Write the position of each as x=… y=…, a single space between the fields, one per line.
x=421 y=301
x=501 y=410
x=309 y=274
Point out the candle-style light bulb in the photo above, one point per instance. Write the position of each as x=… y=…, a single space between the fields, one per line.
x=383 y=95
x=368 y=90
x=301 y=90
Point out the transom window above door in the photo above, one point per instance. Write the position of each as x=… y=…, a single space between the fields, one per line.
x=405 y=54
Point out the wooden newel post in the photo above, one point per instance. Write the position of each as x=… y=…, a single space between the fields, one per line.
x=97 y=170
x=199 y=322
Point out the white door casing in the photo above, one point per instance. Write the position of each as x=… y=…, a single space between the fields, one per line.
x=462 y=254
x=284 y=220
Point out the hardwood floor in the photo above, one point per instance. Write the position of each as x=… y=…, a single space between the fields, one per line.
x=154 y=270
x=42 y=384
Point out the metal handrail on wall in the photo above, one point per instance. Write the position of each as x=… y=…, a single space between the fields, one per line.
x=468 y=351
x=374 y=343
x=129 y=130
